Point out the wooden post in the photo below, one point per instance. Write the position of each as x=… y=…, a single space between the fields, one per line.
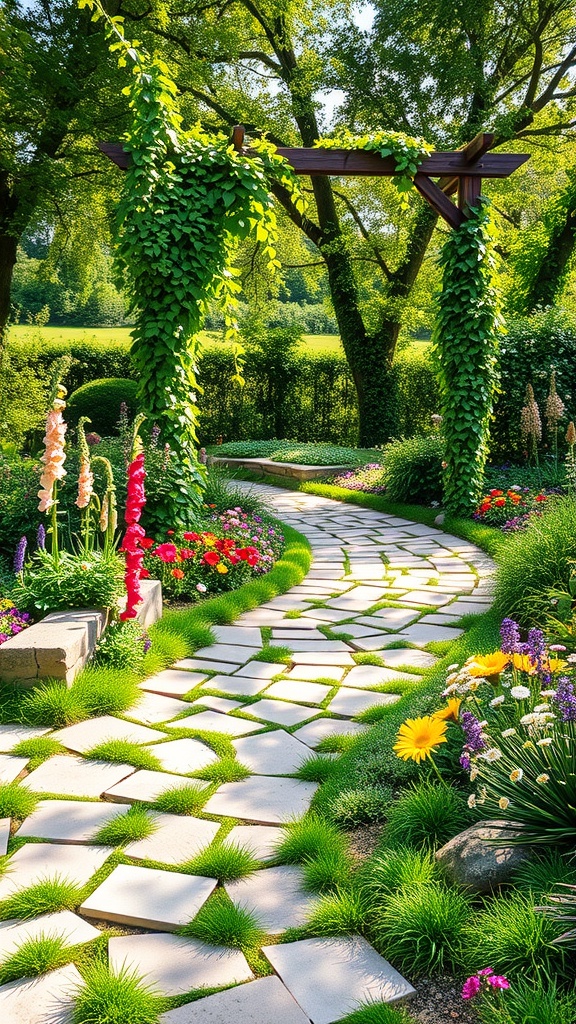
x=238 y=133
x=469 y=191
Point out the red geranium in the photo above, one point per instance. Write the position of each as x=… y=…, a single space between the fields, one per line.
x=167 y=552
x=147 y=543
x=500 y=502
x=249 y=555
x=191 y=536
x=186 y=553
x=540 y=497
x=211 y=558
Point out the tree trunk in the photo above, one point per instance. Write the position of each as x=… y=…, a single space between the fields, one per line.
x=8 y=248
x=557 y=256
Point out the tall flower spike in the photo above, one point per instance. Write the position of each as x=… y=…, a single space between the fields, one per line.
x=85 y=477
x=530 y=423
x=555 y=407
x=54 y=455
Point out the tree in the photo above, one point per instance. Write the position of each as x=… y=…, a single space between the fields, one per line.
x=444 y=72
x=55 y=99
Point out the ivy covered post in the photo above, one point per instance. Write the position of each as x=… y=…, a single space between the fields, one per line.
x=466 y=347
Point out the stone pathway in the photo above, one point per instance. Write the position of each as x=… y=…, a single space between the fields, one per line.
x=378 y=585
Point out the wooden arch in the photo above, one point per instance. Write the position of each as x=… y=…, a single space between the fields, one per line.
x=459 y=172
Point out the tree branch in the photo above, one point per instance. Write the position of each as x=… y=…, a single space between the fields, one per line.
x=379 y=259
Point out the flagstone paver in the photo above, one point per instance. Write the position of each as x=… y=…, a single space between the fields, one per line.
x=67 y=926
x=174 y=965
x=258 y=1002
x=430 y=580
x=331 y=977
x=275 y=896
x=148 y=898
x=4 y=835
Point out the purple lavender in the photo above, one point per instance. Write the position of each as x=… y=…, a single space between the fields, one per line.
x=535 y=648
x=510 y=636
x=20 y=555
x=147 y=643
x=565 y=699
x=472 y=732
x=41 y=537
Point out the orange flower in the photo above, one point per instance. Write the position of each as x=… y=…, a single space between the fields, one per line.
x=523 y=664
x=487 y=664
x=178 y=574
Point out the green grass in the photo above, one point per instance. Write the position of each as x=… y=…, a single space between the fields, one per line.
x=307 y=839
x=328 y=870
x=378 y=1013
x=531 y=1003
x=542 y=874
x=221 y=923
x=227 y=769
x=35 y=956
x=182 y=799
x=301 y=452
x=105 y=691
x=122 y=998
x=126 y=828
x=365 y=805
x=427 y=815
x=337 y=913
x=273 y=654
x=45 y=897
x=391 y=870
x=38 y=749
x=54 y=705
x=226 y=862
x=124 y=752
x=422 y=929
x=16 y=801
x=316 y=769
x=515 y=939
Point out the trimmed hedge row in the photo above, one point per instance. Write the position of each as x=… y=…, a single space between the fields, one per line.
x=303 y=396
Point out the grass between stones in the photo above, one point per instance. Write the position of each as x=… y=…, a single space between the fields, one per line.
x=126 y=828
x=338 y=913
x=124 y=752
x=274 y=653
x=182 y=800
x=221 y=923
x=226 y=862
x=38 y=749
x=228 y=769
x=36 y=956
x=316 y=769
x=308 y=838
x=378 y=1013
x=16 y=801
x=116 y=998
x=47 y=896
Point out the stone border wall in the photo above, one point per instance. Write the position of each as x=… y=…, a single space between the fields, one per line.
x=290 y=469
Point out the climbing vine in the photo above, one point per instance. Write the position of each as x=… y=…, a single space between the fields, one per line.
x=407 y=153
x=465 y=343
x=188 y=200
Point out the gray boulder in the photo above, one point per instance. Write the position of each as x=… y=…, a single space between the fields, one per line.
x=479 y=859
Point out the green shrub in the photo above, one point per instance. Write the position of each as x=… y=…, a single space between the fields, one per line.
x=414 y=470
x=100 y=400
x=422 y=929
x=426 y=816
x=513 y=938
x=391 y=870
x=531 y=1003
x=354 y=807
x=76 y=581
x=19 y=516
x=536 y=561
x=121 y=646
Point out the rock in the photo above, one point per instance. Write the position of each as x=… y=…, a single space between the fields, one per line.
x=439 y=521
x=472 y=858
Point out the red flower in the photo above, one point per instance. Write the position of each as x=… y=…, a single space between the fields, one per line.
x=136 y=498
x=186 y=553
x=147 y=543
x=167 y=552
x=144 y=574
x=178 y=574
x=485 y=507
x=496 y=494
x=192 y=536
x=211 y=558
x=249 y=555
x=540 y=497
x=500 y=502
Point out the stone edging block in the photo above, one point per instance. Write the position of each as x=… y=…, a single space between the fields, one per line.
x=291 y=469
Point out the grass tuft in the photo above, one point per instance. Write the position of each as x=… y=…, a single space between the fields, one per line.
x=515 y=939
x=124 y=752
x=227 y=769
x=530 y=1003
x=45 y=897
x=329 y=870
x=54 y=705
x=316 y=769
x=392 y=870
x=426 y=816
x=378 y=1013
x=274 y=654
x=38 y=749
x=221 y=923
x=16 y=801
x=126 y=828
x=121 y=998
x=308 y=838
x=35 y=956
x=105 y=691
x=337 y=913
x=541 y=875
x=182 y=800
x=226 y=862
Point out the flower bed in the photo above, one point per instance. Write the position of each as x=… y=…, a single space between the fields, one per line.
x=510 y=510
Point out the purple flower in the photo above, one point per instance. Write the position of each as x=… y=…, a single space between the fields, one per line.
x=147 y=643
x=510 y=636
x=472 y=731
x=20 y=555
x=41 y=537
x=154 y=436
x=565 y=699
x=465 y=762
x=535 y=648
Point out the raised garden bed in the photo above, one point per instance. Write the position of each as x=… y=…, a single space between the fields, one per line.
x=289 y=469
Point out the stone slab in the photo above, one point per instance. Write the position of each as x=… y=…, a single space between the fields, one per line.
x=285 y=603
x=176 y=839
x=146 y=786
x=94 y=731
x=4 y=835
x=244 y=686
x=262 y=799
x=174 y=965
x=469 y=607
x=205 y=665
x=350 y=702
x=421 y=634
x=212 y=721
x=362 y=677
x=291 y=637
x=301 y=692
x=258 y=1002
x=154 y=708
x=68 y=821
x=241 y=636
x=328 y=614
x=281 y=712
x=359 y=631
x=323 y=658
x=261 y=840
x=259 y=670
x=36 y=861
x=72 y=929
x=221 y=704
x=148 y=898
x=10 y=767
x=47 y=999
x=73 y=776
x=183 y=756
x=275 y=896
x=427 y=597
x=272 y=753
x=324 y=646
x=329 y=978
x=11 y=735
x=172 y=683
x=230 y=653
x=57 y=647
x=313 y=672
x=408 y=656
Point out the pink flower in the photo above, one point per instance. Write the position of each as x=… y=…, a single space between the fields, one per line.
x=136 y=499
x=54 y=455
x=471 y=987
x=134 y=535
x=498 y=981
x=85 y=484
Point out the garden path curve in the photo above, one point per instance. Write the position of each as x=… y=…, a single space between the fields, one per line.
x=378 y=584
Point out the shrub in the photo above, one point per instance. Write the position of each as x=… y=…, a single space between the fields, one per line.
x=426 y=816
x=123 y=645
x=19 y=516
x=354 y=807
x=536 y=561
x=414 y=470
x=422 y=929
x=514 y=939
x=76 y=581
x=100 y=400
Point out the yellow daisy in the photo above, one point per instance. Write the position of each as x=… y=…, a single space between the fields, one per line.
x=450 y=712
x=488 y=664
x=419 y=737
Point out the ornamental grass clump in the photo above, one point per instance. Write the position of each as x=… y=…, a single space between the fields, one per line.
x=516 y=939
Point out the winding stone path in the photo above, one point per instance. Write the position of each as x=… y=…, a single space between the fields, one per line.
x=378 y=586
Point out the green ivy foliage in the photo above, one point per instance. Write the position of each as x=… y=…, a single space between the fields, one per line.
x=465 y=342
x=407 y=152
x=188 y=199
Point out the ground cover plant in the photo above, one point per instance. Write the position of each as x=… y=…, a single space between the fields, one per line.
x=321 y=454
